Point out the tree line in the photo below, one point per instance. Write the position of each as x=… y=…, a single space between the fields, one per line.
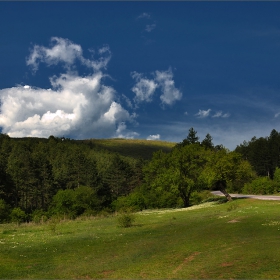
x=58 y=176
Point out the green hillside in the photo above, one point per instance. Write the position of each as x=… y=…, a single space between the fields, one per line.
x=135 y=148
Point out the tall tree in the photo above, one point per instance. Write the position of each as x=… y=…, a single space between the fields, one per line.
x=177 y=172
x=226 y=170
x=192 y=138
x=207 y=142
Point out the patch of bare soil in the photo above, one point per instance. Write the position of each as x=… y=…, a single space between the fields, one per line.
x=186 y=260
x=234 y=221
x=227 y=264
x=107 y=272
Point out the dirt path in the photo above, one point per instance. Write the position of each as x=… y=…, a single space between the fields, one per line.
x=263 y=197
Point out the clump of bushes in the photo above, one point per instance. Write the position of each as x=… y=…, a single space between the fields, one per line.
x=261 y=185
x=18 y=216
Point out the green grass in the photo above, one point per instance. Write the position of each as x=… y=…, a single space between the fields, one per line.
x=239 y=239
x=134 y=148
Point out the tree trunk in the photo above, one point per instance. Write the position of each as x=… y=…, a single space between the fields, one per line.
x=221 y=186
x=227 y=195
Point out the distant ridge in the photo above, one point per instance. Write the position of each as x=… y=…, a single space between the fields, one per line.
x=135 y=148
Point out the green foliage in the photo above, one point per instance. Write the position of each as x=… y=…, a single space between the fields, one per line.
x=126 y=219
x=261 y=185
x=276 y=177
x=198 y=197
x=207 y=142
x=39 y=216
x=53 y=222
x=262 y=153
x=18 y=215
x=226 y=167
x=134 y=200
x=192 y=138
x=175 y=174
x=74 y=202
x=4 y=211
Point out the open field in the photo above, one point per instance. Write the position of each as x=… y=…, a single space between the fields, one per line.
x=239 y=239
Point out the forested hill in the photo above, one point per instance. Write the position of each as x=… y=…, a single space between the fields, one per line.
x=34 y=170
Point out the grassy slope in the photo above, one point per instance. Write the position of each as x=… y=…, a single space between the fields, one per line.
x=135 y=148
x=234 y=240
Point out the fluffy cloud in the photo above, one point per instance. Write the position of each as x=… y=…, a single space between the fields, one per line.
x=64 y=51
x=145 y=88
x=153 y=137
x=170 y=94
x=203 y=113
x=79 y=106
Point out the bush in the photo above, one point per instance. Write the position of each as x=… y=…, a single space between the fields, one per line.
x=39 y=216
x=135 y=201
x=126 y=219
x=53 y=222
x=199 y=197
x=261 y=185
x=18 y=216
x=74 y=202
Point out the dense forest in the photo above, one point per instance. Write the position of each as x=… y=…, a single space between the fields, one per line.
x=58 y=176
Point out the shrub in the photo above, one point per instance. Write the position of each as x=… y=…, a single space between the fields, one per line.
x=39 y=216
x=53 y=221
x=18 y=216
x=74 y=202
x=261 y=185
x=126 y=219
x=134 y=201
x=199 y=197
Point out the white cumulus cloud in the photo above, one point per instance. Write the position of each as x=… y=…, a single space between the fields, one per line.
x=80 y=106
x=170 y=93
x=64 y=51
x=153 y=137
x=203 y=113
x=145 y=88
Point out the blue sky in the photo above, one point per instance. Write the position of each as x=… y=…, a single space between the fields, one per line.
x=147 y=70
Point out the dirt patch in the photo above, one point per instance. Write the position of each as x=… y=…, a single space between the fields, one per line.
x=186 y=260
x=107 y=272
x=227 y=264
x=234 y=221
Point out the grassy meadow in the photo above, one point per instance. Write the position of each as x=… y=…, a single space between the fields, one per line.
x=238 y=239
x=135 y=148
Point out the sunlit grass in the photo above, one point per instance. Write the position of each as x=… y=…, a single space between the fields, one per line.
x=135 y=148
x=232 y=240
